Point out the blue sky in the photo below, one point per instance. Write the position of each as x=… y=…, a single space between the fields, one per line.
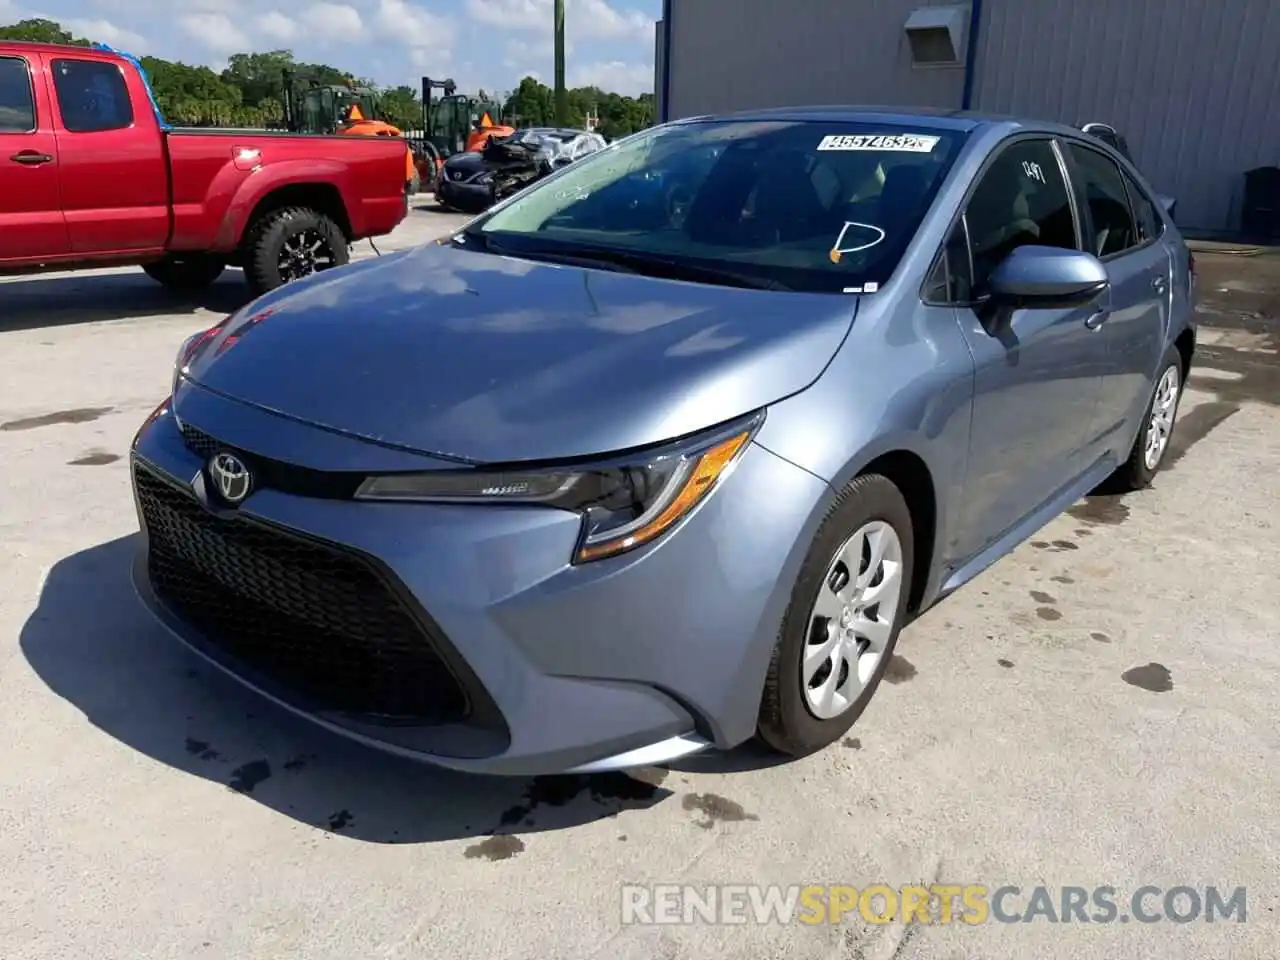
x=479 y=43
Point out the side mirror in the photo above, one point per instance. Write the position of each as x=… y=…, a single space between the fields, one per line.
x=1046 y=277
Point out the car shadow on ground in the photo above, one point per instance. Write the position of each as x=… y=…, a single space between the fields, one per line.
x=33 y=302
x=92 y=642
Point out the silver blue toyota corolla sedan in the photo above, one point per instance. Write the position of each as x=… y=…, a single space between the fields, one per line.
x=661 y=453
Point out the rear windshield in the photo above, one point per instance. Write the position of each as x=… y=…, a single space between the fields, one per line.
x=815 y=206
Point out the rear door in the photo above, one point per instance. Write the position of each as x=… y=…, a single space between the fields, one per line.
x=114 y=174
x=1139 y=268
x=31 y=220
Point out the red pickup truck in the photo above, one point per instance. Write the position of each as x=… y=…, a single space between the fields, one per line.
x=91 y=176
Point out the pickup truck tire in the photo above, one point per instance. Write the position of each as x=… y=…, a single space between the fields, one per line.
x=290 y=244
x=188 y=273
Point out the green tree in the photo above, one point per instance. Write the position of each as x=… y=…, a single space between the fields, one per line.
x=40 y=31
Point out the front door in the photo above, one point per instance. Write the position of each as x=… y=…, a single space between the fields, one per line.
x=1038 y=371
x=31 y=220
x=1124 y=234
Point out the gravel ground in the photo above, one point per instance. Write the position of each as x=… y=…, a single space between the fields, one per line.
x=1100 y=708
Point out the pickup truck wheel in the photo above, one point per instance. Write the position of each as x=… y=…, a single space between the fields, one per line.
x=186 y=273
x=290 y=244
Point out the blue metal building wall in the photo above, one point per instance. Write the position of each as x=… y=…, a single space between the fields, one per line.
x=1194 y=85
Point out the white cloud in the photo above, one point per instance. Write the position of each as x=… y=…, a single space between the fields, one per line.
x=104 y=31
x=428 y=36
x=275 y=26
x=335 y=21
x=614 y=76
x=215 y=31
x=584 y=19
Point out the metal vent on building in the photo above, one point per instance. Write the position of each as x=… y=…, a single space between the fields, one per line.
x=937 y=36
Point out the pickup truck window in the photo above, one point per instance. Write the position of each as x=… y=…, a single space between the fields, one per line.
x=92 y=96
x=17 y=105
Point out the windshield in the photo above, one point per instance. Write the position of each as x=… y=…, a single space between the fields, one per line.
x=816 y=206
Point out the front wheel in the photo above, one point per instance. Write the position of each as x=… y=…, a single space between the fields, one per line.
x=187 y=273
x=290 y=244
x=1156 y=433
x=842 y=624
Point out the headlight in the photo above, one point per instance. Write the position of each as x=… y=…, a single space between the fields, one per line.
x=625 y=503
x=188 y=350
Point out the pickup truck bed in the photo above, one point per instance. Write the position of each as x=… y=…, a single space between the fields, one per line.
x=89 y=176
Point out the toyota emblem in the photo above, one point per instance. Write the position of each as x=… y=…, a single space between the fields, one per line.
x=230 y=477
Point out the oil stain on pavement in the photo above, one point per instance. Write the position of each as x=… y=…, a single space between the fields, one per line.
x=1154 y=677
x=1057 y=546
x=201 y=749
x=638 y=790
x=498 y=847
x=1007 y=664
x=1101 y=511
x=715 y=809
x=247 y=776
x=78 y=415
x=94 y=458
x=900 y=670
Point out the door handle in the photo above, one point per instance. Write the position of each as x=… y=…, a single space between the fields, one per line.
x=1098 y=319
x=31 y=158
x=1159 y=284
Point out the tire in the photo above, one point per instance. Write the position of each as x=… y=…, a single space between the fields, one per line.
x=289 y=244
x=415 y=185
x=188 y=273
x=1138 y=471
x=788 y=721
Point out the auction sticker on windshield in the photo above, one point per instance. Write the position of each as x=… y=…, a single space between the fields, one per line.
x=888 y=142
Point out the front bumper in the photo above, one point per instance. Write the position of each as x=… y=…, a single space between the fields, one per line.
x=467 y=197
x=540 y=667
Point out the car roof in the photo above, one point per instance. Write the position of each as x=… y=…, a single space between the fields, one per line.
x=931 y=118
x=53 y=49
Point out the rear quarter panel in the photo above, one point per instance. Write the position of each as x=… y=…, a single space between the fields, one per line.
x=220 y=177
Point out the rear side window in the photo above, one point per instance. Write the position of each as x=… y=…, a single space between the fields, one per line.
x=17 y=105
x=1021 y=200
x=1102 y=185
x=92 y=96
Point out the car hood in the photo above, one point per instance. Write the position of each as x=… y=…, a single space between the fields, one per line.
x=486 y=358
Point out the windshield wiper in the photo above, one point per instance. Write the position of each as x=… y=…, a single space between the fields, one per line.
x=673 y=268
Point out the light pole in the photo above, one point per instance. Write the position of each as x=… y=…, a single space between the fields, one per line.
x=562 y=95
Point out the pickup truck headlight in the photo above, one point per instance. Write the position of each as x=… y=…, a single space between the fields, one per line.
x=625 y=502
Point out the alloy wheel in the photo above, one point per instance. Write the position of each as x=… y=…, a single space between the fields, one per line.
x=852 y=620
x=303 y=254
x=1164 y=407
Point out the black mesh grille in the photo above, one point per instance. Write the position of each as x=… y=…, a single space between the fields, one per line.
x=315 y=618
x=276 y=474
